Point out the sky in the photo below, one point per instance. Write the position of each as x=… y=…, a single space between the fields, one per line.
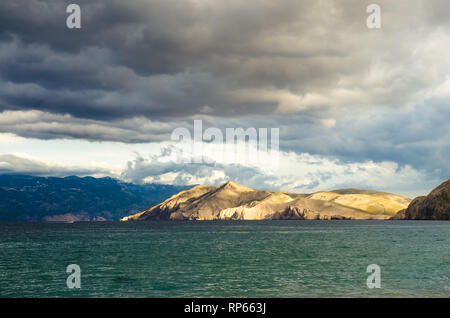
x=354 y=106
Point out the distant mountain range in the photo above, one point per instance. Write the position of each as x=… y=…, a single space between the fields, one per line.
x=29 y=198
x=232 y=201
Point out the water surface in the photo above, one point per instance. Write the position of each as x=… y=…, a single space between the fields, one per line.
x=226 y=259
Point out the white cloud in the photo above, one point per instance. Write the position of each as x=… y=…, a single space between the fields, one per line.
x=301 y=173
x=155 y=163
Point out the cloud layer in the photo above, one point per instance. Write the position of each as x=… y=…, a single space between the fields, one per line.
x=136 y=70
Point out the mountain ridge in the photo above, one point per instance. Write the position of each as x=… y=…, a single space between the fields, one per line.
x=434 y=206
x=55 y=199
x=232 y=201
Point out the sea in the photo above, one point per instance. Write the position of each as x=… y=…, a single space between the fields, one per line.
x=258 y=259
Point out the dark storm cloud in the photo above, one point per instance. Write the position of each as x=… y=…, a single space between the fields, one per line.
x=173 y=58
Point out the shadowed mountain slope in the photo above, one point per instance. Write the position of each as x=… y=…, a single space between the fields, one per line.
x=435 y=206
x=30 y=198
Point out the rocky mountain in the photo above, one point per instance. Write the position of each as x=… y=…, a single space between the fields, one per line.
x=435 y=206
x=232 y=201
x=29 y=198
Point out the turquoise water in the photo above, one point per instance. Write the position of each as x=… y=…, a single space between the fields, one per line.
x=226 y=259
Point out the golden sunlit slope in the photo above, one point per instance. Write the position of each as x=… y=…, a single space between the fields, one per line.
x=232 y=201
x=173 y=203
x=373 y=202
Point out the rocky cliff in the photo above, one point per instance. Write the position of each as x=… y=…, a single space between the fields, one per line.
x=435 y=206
